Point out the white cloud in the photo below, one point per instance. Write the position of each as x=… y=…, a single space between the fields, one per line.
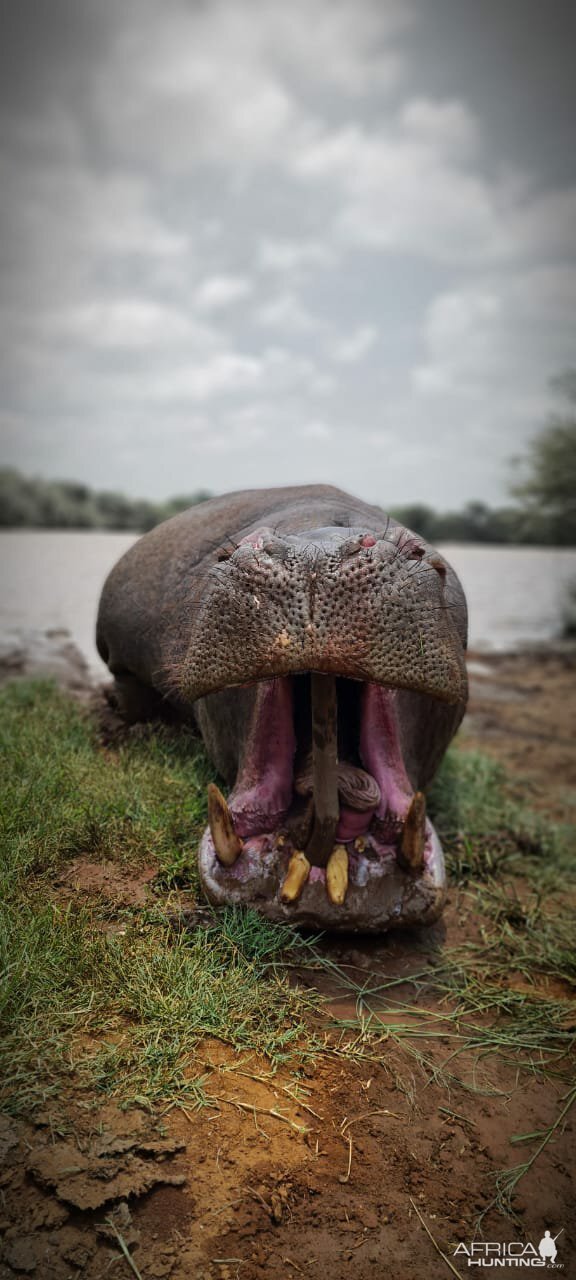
x=286 y=371
x=458 y=331
x=226 y=373
x=399 y=190
x=352 y=349
x=414 y=186
x=108 y=213
x=218 y=292
x=294 y=255
x=250 y=424
x=68 y=232
x=196 y=88
x=341 y=45
x=315 y=430
x=128 y=323
x=448 y=126
x=502 y=341
x=286 y=312
x=538 y=224
x=237 y=87
x=230 y=373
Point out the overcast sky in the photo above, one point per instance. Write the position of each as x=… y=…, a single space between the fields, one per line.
x=267 y=243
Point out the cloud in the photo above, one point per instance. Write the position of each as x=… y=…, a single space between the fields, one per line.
x=284 y=370
x=351 y=49
x=506 y=340
x=196 y=88
x=286 y=312
x=458 y=329
x=416 y=186
x=355 y=346
x=294 y=255
x=403 y=189
x=448 y=126
x=218 y=292
x=223 y=374
x=315 y=430
x=123 y=323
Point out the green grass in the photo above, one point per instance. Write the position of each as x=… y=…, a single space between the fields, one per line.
x=62 y=796
x=485 y=832
x=119 y=1011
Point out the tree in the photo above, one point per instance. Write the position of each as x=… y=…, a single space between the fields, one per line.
x=549 y=490
x=418 y=517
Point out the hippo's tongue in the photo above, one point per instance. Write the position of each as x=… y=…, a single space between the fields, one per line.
x=353 y=824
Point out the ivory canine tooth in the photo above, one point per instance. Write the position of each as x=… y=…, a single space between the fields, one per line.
x=413 y=838
x=337 y=875
x=227 y=844
x=296 y=877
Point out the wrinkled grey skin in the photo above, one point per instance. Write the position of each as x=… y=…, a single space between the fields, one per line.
x=192 y=617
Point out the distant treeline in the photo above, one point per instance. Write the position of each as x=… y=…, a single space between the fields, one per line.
x=28 y=503
x=478 y=523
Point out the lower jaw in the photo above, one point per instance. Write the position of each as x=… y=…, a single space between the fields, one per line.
x=381 y=895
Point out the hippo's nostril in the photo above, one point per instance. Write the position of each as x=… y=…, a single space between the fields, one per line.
x=352 y=546
x=260 y=539
x=413 y=550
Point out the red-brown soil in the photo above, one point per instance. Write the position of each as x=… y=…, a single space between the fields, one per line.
x=335 y=1174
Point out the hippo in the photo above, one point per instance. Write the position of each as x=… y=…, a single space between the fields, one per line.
x=319 y=648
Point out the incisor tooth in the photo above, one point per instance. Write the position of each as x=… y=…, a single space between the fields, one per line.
x=413 y=839
x=337 y=875
x=226 y=843
x=296 y=877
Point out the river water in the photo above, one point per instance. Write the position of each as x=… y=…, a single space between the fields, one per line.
x=53 y=579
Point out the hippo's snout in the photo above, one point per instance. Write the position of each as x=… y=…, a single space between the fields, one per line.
x=369 y=606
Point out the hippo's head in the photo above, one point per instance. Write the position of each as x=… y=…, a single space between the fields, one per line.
x=328 y=673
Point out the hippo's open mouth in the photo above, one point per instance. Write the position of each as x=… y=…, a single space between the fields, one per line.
x=323 y=825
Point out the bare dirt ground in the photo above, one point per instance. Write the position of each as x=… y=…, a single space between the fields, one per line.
x=522 y=711
x=346 y=1171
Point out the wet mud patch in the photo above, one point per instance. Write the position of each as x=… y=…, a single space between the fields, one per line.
x=522 y=711
x=70 y=1182
x=111 y=883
